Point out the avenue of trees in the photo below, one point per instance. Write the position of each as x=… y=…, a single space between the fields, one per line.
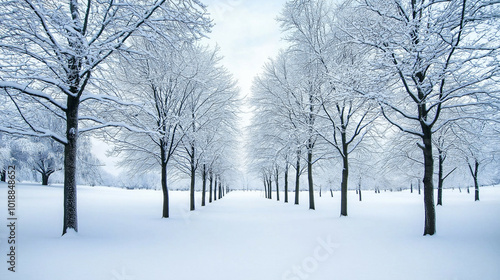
x=187 y=116
x=132 y=70
x=395 y=86
x=367 y=94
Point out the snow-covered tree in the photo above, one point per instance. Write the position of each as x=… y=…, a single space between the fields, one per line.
x=47 y=158
x=445 y=142
x=478 y=146
x=89 y=171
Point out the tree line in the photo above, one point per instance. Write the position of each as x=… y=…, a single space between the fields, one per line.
x=382 y=88
x=134 y=74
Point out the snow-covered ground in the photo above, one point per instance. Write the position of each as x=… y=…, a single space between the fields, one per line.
x=245 y=236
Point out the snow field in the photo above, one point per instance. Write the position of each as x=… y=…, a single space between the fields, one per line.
x=245 y=236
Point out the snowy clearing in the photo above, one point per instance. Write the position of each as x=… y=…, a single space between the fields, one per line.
x=245 y=236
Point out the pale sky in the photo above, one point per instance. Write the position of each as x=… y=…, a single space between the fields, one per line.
x=247 y=34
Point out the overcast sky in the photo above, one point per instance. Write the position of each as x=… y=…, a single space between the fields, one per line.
x=247 y=34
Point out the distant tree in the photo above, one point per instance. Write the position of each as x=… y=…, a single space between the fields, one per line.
x=445 y=143
x=47 y=158
x=4 y=156
x=277 y=182
x=217 y=146
x=477 y=152
x=89 y=170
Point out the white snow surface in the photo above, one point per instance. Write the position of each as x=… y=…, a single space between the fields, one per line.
x=245 y=236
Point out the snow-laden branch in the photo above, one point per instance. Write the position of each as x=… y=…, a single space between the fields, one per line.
x=106 y=99
x=36 y=132
x=25 y=88
x=419 y=134
x=107 y=124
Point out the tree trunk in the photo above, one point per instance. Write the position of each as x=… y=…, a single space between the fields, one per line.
x=220 y=189
x=476 y=184
x=474 y=173
x=297 y=179
x=440 y=178
x=164 y=187
x=71 y=147
x=211 y=179
x=310 y=179
x=331 y=192
x=204 y=186
x=286 y=183
x=411 y=188
x=310 y=146
x=345 y=175
x=3 y=175
x=360 y=193
x=277 y=185
x=265 y=187
x=430 y=211
x=45 y=179
x=193 y=179
x=270 y=187
x=215 y=188
x=343 y=187
x=70 y=158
